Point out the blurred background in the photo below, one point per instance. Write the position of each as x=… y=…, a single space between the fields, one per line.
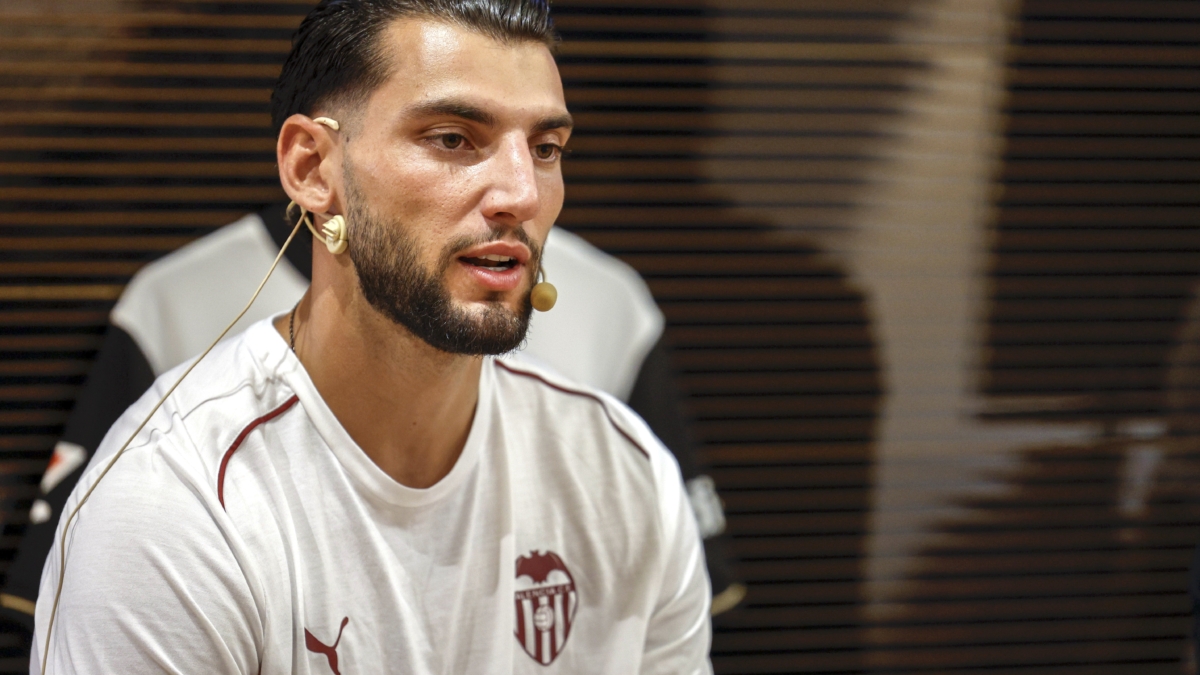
x=929 y=267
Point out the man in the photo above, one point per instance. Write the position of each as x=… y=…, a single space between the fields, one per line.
x=605 y=332
x=353 y=486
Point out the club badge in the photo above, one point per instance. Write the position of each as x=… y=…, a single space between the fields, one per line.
x=546 y=602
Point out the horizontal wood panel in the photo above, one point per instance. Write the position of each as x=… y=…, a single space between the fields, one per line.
x=111 y=142
x=701 y=130
x=1159 y=11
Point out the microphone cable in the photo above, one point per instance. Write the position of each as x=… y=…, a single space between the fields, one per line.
x=62 y=544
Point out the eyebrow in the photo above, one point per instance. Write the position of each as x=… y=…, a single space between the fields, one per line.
x=563 y=121
x=472 y=113
x=453 y=108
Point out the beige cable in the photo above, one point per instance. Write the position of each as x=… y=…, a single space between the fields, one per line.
x=62 y=545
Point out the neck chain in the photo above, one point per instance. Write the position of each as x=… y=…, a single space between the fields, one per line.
x=292 y=327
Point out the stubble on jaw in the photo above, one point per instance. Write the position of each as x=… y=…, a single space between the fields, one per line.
x=394 y=283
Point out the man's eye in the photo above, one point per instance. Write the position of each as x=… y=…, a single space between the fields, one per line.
x=451 y=141
x=547 y=151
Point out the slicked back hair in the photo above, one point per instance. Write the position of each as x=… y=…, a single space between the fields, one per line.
x=336 y=51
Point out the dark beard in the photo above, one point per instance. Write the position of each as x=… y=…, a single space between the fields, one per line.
x=393 y=282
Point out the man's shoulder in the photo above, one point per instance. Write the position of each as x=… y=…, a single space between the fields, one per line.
x=227 y=390
x=586 y=452
x=591 y=423
x=158 y=471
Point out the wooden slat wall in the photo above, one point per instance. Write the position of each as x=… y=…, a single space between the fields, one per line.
x=155 y=132
x=1096 y=247
x=722 y=146
x=1076 y=561
x=718 y=144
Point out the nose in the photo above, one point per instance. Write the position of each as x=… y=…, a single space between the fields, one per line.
x=512 y=196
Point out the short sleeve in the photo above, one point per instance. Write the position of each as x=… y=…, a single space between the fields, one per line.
x=679 y=634
x=152 y=583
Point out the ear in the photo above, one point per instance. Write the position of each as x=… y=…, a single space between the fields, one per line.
x=309 y=166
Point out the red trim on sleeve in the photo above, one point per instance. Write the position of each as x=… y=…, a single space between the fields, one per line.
x=584 y=394
x=237 y=442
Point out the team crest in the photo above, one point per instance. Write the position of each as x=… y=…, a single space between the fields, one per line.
x=546 y=603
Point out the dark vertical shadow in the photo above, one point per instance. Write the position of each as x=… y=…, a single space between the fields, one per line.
x=773 y=338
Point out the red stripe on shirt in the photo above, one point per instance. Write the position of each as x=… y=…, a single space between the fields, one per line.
x=241 y=437
x=576 y=392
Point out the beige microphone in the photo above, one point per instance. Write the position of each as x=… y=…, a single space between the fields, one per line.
x=544 y=294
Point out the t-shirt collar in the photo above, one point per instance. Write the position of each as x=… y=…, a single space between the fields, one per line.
x=273 y=352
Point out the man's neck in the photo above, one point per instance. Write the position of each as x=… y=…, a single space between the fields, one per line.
x=407 y=405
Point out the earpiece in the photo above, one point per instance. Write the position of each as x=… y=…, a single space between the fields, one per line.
x=332 y=124
x=333 y=231
x=335 y=234
x=544 y=294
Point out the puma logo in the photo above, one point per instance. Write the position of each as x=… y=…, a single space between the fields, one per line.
x=317 y=647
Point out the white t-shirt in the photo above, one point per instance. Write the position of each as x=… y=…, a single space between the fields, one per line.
x=245 y=532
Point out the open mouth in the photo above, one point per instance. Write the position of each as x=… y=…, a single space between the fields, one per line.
x=492 y=262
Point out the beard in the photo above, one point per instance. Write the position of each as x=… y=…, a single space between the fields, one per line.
x=395 y=284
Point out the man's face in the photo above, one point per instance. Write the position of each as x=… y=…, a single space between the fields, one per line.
x=452 y=181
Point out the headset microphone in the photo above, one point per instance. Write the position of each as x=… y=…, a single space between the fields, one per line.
x=544 y=294
x=335 y=234
x=333 y=231
x=332 y=124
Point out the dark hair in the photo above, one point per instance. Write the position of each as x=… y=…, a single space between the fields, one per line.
x=336 y=52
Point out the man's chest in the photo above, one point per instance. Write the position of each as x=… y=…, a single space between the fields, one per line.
x=487 y=585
